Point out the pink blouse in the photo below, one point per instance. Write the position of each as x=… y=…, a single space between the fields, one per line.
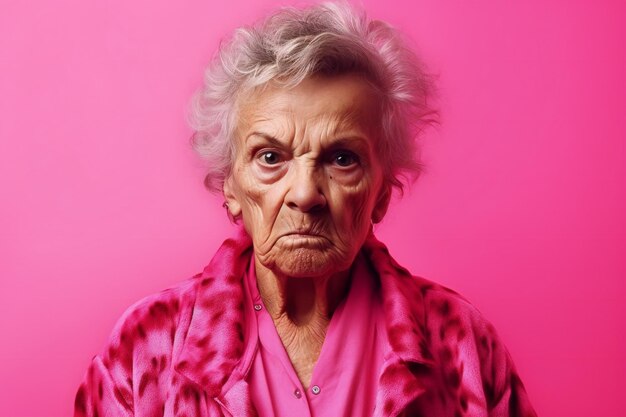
x=345 y=377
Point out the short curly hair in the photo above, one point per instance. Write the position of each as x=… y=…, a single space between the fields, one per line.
x=331 y=38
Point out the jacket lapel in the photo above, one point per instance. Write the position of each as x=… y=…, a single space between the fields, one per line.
x=404 y=375
x=214 y=341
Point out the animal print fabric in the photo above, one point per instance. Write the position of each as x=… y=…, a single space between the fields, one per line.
x=175 y=353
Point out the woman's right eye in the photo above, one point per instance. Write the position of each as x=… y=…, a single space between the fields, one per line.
x=269 y=157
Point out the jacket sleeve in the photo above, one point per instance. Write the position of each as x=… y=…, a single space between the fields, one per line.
x=99 y=395
x=504 y=391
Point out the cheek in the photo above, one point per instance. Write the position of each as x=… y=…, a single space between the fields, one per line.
x=352 y=205
x=249 y=195
x=260 y=204
x=356 y=197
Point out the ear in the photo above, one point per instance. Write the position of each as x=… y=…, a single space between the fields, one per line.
x=234 y=208
x=382 y=203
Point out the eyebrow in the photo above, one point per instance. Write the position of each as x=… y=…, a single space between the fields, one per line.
x=350 y=142
x=346 y=141
x=269 y=138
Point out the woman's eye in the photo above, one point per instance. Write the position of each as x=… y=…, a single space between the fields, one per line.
x=270 y=157
x=345 y=159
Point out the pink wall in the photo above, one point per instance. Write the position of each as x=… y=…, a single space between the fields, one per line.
x=521 y=210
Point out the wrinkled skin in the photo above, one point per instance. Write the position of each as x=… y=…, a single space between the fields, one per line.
x=307 y=180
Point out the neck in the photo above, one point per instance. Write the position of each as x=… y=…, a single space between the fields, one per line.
x=302 y=300
x=301 y=309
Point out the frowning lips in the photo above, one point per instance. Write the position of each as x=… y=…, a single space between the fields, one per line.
x=304 y=232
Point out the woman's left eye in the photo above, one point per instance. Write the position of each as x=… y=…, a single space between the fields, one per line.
x=345 y=158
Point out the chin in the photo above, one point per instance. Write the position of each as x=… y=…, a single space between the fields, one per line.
x=308 y=262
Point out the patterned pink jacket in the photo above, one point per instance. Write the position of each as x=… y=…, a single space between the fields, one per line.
x=175 y=353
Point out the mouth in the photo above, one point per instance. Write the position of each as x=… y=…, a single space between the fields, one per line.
x=303 y=233
x=301 y=236
x=305 y=240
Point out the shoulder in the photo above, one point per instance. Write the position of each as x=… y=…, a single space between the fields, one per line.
x=153 y=320
x=454 y=323
x=141 y=343
x=470 y=361
x=468 y=348
x=447 y=305
x=148 y=332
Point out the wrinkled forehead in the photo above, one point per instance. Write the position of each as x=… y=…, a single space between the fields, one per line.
x=336 y=105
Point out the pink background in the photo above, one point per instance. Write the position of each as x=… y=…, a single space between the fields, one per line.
x=521 y=210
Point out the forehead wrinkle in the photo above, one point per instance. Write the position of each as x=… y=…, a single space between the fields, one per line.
x=317 y=133
x=351 y=120
x=267 y=108
x=302 y=142
x=290 y=119
x=345 y=133
x=350 y=117
x=273 y=129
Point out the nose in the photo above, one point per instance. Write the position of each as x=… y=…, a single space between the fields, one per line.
x=305 y=193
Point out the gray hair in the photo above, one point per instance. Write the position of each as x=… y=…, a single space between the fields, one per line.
x=331 y=38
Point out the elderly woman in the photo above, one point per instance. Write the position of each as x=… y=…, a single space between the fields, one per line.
x=308 y=121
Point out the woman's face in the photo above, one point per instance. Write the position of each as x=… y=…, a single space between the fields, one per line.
x=307 y=179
